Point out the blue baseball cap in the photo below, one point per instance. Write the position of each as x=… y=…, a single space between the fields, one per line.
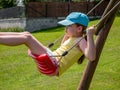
x=75 y=17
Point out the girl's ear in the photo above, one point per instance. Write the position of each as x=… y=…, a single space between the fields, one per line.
x=80 y=28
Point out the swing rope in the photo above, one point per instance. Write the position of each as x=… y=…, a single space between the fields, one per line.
x=66 y=52
x=48 y=67
x=95 y=7
x=101 y=21
x=52 y=44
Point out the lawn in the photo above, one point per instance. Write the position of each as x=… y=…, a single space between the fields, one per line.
x=18 y=71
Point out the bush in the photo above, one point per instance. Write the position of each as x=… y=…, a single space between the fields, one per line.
x=11 y=30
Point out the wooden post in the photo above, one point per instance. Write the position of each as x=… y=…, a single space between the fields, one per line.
x=100 y=41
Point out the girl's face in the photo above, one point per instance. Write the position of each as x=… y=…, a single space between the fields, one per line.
x=73 y=30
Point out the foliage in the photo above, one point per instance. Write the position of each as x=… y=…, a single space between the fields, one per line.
x=11 y=30
x=7 y=3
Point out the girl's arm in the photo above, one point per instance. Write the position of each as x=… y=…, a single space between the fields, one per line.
x=64 y=38
x=88 y=47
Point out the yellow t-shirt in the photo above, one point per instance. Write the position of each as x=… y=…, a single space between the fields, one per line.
x=73 y=55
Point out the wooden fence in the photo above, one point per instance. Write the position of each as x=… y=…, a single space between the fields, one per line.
x=61 y=9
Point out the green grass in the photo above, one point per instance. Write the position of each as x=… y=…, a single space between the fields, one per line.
x=18 y=71
x=11 y=30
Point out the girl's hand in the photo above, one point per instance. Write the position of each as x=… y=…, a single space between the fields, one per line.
x=91 y=30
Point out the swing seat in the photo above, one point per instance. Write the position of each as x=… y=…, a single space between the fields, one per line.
x=45 y=65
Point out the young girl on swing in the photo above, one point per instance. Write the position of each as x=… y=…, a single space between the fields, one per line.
x=49 y=62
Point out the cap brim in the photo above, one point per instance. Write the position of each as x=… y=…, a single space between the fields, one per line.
x=65 y=22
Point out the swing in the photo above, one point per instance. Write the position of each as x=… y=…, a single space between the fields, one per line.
x=46 y=65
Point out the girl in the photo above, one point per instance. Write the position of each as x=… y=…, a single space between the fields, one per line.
x=49 y=62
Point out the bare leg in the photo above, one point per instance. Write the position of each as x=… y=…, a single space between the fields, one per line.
x=14 y=39
x=12 y=33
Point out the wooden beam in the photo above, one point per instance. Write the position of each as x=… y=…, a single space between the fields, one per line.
x=109 y=10
x=100 y=41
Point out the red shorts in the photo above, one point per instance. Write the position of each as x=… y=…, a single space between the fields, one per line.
x=46 y=65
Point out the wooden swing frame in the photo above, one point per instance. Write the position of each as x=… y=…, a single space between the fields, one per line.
x=102 y=31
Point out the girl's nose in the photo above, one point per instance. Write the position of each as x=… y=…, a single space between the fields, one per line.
x=66 y=29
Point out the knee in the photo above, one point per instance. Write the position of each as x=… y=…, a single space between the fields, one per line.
x=27 y=35
x=26 y=32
